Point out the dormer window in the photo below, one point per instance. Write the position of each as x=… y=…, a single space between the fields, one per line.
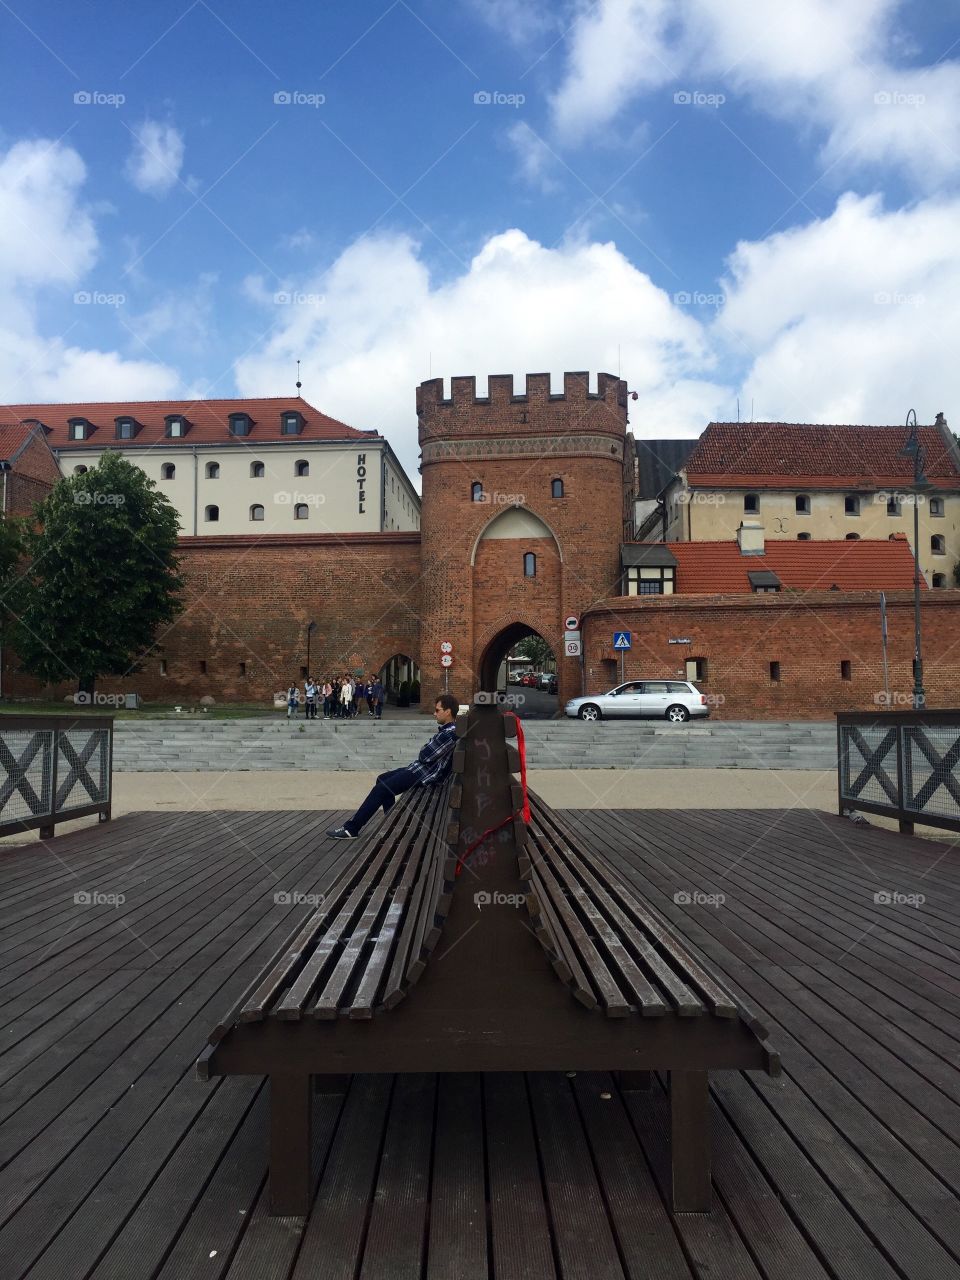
x=291 y=423
x=78 y=429
x=239 y=424
x=176 y=426
x=126 y=428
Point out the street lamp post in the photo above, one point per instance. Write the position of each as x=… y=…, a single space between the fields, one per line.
x=311 y=628
x=914 y=450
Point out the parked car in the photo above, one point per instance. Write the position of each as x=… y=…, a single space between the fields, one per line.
x=554 y=684
x=529 y=679
x=516 y=677
x=544 y=678
x=674 y=700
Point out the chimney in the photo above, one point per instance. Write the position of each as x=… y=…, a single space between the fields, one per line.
x=750 y=538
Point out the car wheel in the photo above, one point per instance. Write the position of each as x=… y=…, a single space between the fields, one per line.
x=590 y=711
x=677 y=714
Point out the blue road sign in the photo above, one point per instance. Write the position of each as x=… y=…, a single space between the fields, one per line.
x=622 y=640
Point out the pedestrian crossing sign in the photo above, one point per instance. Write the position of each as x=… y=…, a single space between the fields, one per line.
x=622 y=640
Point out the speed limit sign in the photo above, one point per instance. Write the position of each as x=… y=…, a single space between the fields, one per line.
x=446 y=647
x=573 y=648
x=446 y=660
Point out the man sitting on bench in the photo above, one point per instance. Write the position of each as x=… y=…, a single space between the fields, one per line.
x=431 y=767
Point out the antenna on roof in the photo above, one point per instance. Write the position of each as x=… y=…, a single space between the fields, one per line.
x=738 y=408
x=299 y=383
x=751 y=408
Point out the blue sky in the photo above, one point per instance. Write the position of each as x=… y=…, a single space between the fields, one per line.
x=728 y=202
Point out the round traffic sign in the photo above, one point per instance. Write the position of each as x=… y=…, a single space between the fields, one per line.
x=446 y=647
x=571 y=623
x=446 y=660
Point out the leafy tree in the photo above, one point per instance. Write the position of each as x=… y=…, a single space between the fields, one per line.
x=535 y=649
x=102 y=579
x=956 y=573
x=11 y=554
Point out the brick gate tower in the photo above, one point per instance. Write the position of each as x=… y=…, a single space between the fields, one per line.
x=522 y=518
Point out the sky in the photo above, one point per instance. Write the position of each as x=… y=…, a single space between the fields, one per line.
x=737 y=206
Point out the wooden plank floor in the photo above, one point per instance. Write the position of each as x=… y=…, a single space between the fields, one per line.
x=116 y=1162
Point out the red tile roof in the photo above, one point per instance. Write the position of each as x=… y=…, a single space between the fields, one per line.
x=864 y=565
x=789 y=455
x=13 y=436
x=208 y=418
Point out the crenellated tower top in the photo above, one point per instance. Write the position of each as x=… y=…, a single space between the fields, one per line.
x=507 y=411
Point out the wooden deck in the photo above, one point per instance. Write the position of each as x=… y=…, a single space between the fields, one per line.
x=116 y=1162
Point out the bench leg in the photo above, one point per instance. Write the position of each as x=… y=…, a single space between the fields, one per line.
x=690 y=1141
x=290 y=1143
x=634 y=1080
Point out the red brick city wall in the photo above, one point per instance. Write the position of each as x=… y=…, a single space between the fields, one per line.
x=809 y=636
x=249 y=600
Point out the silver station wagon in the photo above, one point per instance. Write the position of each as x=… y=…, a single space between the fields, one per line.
x=675 y=700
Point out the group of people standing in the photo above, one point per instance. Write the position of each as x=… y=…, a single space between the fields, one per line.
x=339 y=697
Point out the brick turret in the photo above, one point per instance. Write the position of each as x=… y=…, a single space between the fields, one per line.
x=514 y=446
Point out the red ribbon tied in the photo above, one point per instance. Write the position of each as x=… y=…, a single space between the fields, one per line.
x=525 y=807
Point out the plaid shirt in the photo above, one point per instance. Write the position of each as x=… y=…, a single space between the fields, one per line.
x=436 y=757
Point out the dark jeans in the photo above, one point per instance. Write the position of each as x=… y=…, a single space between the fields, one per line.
x=311 y=713
x=382 y=796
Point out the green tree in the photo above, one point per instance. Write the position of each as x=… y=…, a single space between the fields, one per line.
x=11 y=554
x=956 y=573
x=535 y=649
x=102 y=577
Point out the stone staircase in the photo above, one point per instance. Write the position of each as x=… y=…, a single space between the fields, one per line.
x=268 y=743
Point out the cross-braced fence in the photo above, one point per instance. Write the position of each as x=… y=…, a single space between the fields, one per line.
x=903 y=764
x=53 y=769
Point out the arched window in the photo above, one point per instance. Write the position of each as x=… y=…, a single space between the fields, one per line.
x=751 y=502
x=301 y=467
x=803 y=504
x=256 y=511
x=939 y=579
x=476 y=491
x=938 y=544
x=212 y=514
x=168 y=471
x=529 y=564
x=257 y=470
x=556 y=488
x=79 y=471
x=212 y=471
x=803 y=537
x=853 y=537
x=300 y=511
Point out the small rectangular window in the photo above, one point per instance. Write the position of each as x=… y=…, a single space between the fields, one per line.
x=696 y=669
x=775 y=672
x=845 y=669
x=243 y=668
x=203 y=666
x=163 y=666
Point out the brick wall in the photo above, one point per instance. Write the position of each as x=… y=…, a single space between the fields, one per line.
x=249 y=601
x=809 y=636
x=34 y=474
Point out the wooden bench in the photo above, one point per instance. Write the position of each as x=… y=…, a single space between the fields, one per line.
x=339 y=997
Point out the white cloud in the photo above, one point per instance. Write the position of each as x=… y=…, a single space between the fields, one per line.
x=46 y=237
x=384 y=326
x=519 y=20
x=154 y=164
x=537 y=162
x=836 y=65
x=48 y=244
x=850 y=318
